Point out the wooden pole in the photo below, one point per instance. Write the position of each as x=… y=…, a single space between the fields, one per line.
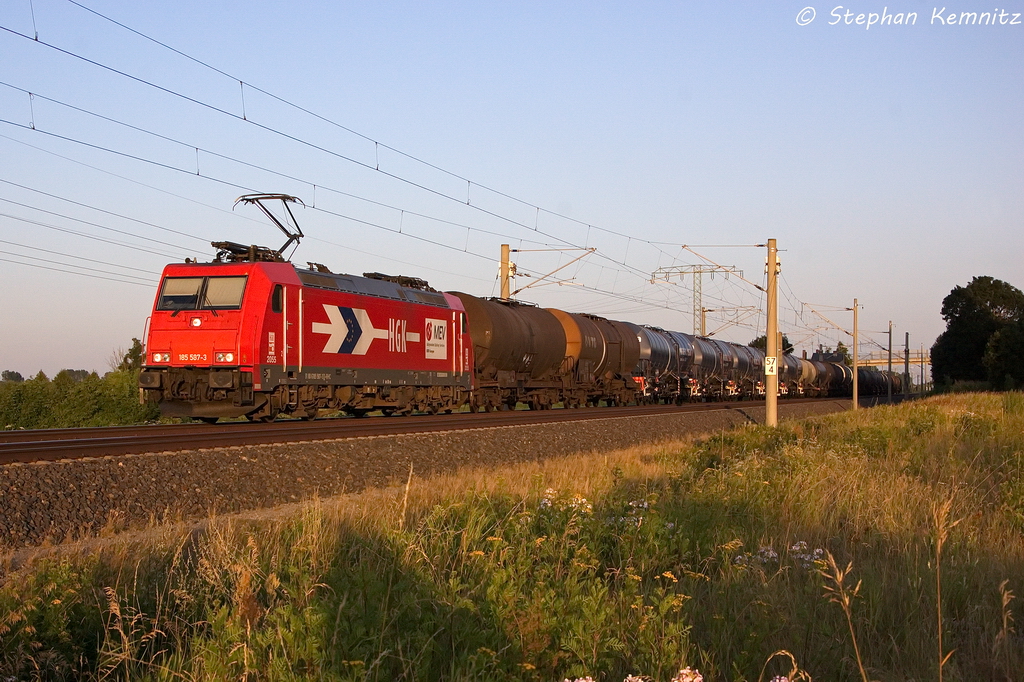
x=771 y=359
x=906 y=365
x=888 y=380
x=856 y=340
x=506 y=285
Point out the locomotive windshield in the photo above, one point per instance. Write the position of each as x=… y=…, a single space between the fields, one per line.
x=223 y=292
x=215 y=293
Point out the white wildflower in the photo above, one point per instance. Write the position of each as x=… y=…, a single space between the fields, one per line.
x=688 y=674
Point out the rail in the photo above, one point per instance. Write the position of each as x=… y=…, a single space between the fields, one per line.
x=59 y=444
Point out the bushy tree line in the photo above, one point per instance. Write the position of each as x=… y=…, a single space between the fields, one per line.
x=75 y=398
x=984 y=337
x=761 y=342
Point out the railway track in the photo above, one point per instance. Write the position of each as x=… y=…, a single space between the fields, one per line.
x=58 y=444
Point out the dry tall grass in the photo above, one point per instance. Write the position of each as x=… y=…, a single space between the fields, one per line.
x=707 y=552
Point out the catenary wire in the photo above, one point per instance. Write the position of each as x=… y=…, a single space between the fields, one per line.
x=470 y=183
x=203 y=176
x=86 y=235
x=236 y=186
x=228 y=183
x=317 y=239
x=131 y=180
x=329 y=121
x=255 y=166
x=148 y=285
x=80 y=267
x=628 y=237
x=312 y=145
x=241 y=187
x=102 y=227
x=69 y=255
x=299 y=140
x=101 y=210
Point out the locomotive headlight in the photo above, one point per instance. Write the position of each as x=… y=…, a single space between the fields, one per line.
x=161 y=357
x=196 y=321
x=225 y=357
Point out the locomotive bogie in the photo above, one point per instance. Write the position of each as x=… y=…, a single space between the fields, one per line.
x=180 y=392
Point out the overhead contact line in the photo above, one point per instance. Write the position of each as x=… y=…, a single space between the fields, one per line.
x=362 y=164
x=377 y=144
x=242 y=83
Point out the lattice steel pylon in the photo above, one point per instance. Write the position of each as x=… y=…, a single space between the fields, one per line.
x=698 y=272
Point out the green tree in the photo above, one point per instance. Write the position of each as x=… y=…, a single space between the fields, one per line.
x=12 y=376
x=130 y=361
x=761 y=342
x=1003 y=357
x=72 y=375
x=26 y=404
x=973 y=314
x=77 y=397
x=841 y=349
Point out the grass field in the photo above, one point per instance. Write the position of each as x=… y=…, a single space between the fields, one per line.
x=715 y=554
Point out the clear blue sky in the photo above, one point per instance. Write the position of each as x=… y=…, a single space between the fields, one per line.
x=887 y=160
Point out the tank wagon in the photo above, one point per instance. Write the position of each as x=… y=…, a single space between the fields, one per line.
x=252 y=335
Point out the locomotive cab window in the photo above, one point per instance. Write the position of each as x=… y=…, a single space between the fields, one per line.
x=180 y=293
x=215 y=293
x=224 y=292
x=277 y=300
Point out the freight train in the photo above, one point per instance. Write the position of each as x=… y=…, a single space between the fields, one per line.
x=252 y=335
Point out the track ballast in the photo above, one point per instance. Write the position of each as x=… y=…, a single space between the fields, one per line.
x=58 y=444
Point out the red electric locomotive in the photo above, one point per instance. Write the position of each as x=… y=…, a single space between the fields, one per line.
x=251 y=335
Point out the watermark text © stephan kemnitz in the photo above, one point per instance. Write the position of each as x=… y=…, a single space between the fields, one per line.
x=940 y=16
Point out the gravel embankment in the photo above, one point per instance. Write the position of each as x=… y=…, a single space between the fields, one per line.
x=75 y=498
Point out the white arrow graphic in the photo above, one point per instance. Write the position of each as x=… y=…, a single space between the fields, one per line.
x=369 y=332
x=358 y=329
